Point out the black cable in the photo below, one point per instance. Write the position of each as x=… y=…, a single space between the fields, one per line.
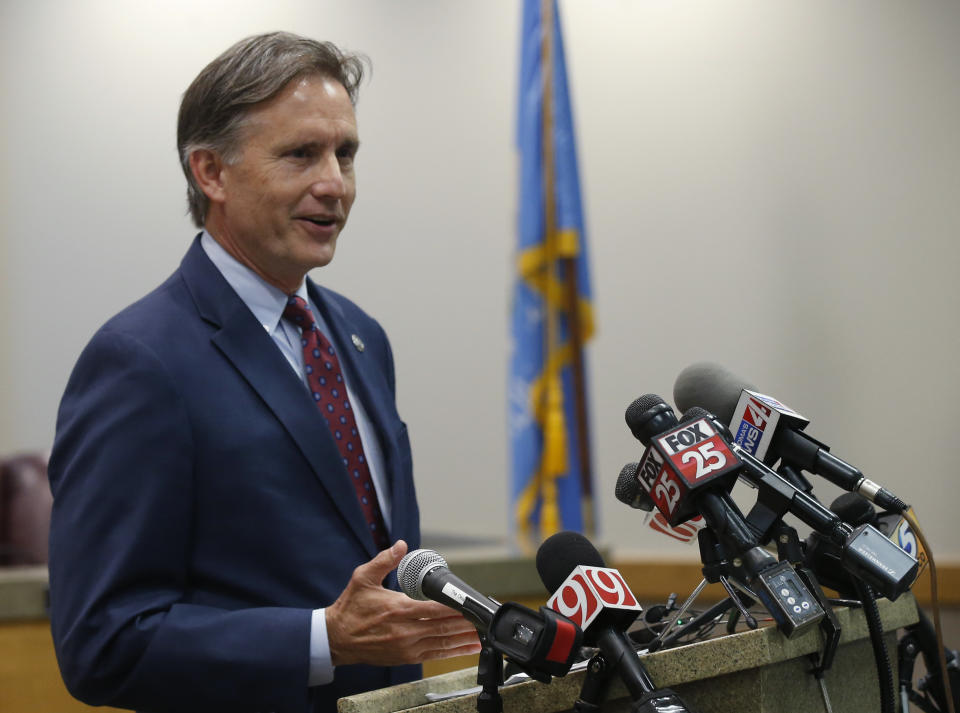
x=698 y=633
x=880 y=653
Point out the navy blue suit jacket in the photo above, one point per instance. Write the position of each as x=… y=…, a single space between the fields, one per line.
x=201 y=508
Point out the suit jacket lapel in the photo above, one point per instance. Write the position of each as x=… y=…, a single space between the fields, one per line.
x=252 y=352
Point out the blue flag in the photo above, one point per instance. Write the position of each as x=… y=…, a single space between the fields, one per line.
x=552 y=314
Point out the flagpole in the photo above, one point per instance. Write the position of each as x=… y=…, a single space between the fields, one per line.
x=567 y=262
x=552 y=407
x=579 y=394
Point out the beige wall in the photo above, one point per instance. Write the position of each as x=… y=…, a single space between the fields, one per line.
x=773 y=186
x=7 y=440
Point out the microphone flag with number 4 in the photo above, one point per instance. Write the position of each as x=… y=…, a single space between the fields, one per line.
x=551 y=482
x=755 y=422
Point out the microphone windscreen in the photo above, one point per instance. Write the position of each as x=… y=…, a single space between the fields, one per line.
x=628 y=490
x=854 y=509
x=412 y=569
x=640 y=406
x=693 y=413
x=561 y=553
x=710 y=386
x=648 y=416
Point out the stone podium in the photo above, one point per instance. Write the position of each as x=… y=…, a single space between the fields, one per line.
x=756 y=671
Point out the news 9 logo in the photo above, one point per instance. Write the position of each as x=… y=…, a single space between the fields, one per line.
x=589 y=590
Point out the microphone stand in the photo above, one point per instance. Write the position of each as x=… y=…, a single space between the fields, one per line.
x=594 y=687
x=789 y=550
x=653 y=700
x=490 y=678
x=715 y=568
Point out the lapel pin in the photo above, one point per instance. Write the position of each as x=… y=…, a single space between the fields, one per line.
x=357 y=342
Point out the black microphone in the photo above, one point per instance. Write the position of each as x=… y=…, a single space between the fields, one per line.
x=542 y=643
x=823 y=556
x=863 y=550
x=565 y=562
x=770 y=430
x=855 y=510
x=423 y=575
x=688 y=468
x=628 y=490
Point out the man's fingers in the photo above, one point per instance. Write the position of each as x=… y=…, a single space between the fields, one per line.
x=430 y=610
x=457 y=641
x=450 y=626
x=448 y=653
x=446 y=633
x=448 y=645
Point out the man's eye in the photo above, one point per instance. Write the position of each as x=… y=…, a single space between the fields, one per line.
x=300 y=152
x=347 y=152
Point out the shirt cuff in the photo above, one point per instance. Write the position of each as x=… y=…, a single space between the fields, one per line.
x=321 y=667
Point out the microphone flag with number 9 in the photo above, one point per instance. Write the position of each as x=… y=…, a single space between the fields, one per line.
x=587 y=591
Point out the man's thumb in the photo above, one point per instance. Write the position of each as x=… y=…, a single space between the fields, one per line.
x=385 y=562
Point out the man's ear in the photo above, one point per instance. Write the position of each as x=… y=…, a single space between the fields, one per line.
x=207 y=168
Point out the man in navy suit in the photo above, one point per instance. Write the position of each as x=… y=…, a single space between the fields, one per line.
x=209 y=549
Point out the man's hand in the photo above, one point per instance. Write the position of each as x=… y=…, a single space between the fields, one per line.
x=374 y=625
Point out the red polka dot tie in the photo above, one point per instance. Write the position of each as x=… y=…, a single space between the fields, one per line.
x=330 y=394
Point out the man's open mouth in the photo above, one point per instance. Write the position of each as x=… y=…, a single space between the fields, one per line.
x=322 y=222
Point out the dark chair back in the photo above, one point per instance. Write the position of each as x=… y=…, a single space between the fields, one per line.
x=25 y=503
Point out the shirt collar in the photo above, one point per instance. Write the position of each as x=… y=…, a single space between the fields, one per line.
x=266 y=301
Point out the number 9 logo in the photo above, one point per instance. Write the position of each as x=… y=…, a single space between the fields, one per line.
x=583 y=602
x=611 y=588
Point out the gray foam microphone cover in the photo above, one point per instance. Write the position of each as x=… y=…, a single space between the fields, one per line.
x=709 y=386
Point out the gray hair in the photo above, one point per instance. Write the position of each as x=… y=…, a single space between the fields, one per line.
x=216 y=105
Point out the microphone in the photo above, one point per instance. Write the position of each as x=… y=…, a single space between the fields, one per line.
x=710 y=386
x=770 y=430
x=543 y=644
x=823 y=556
x=864 y=551
x=681 y=462
x=628 y=490
x=855 y=510
x=688 y=468
x=599 y=599
x=423 y=575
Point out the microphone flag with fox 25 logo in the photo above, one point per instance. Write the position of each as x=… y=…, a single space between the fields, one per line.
x=682 y=460
x=591 y=592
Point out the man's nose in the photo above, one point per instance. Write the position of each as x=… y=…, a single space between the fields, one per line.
x=328 y=181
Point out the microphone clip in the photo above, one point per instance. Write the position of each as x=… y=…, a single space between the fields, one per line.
x=542 y=644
